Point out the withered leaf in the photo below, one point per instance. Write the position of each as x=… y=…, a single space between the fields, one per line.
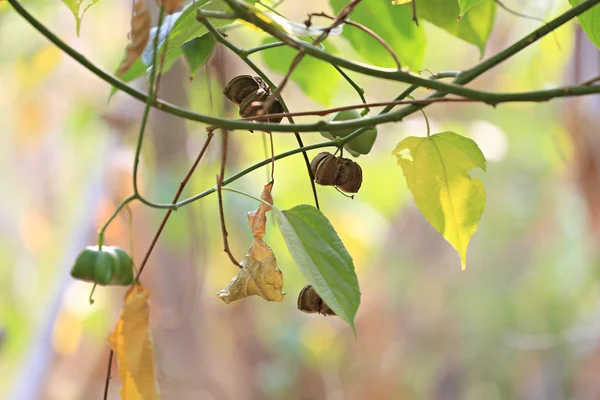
x=258 y=219
x=169 y=5
x=131 y=341
x=138 y=37
x=259 y=275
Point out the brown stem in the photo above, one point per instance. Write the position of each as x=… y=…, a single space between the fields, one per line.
x=107 y=382
x=224 y=233
x=369 y=32
x=175 y=198
x=414 y=12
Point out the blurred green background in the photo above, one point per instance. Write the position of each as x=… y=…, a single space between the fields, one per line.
x=520 y=322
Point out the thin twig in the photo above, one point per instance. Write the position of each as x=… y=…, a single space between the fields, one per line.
x=414 y=12
x=272 y=157
x=362 y=105
x=369 y=31
x=220 y=177
x=107 y=381
x=339 y=19
x=591 y=81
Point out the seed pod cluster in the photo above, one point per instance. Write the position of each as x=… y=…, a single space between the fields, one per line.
x=244 y=90
x=310 y=302
x=329 y=170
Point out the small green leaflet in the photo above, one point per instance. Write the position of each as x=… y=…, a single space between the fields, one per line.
x=197 y=51
x=394 y=24
x=466 y=5
x=590 y=22
x=437 y=173
x=475 y=27
x=317 y=79
x=321 y=256
x=75 y=7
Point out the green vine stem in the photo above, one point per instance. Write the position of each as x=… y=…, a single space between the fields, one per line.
x=112 y=217
x=467 y=76
x=229 y=189
x=146 y=113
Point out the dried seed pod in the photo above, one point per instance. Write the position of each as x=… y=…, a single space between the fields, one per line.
x=241 y=87
x=352 y=173
x=324 y=168
x=310 y=302
x=244 y=90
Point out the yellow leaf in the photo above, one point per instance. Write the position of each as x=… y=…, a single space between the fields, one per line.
x=259 y=275
x=398 y=2
x=437 y=173
x=132 y=343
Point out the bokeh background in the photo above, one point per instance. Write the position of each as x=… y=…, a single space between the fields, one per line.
x=523 y=321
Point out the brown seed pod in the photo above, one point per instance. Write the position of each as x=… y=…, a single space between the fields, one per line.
x=351 y=173
x=246 y=107
x=244 y=90
x=241 y=87
x=324 y=169
x=310 y=302
x=329 y=170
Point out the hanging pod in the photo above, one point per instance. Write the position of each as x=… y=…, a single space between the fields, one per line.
x=328 y=170
x=310 y=302
x=107 y=266
x=244 y=90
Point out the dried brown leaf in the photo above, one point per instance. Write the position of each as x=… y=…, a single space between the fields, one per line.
x=257 y=219
x=138 y=37
x=258 y=277
x=169 y=5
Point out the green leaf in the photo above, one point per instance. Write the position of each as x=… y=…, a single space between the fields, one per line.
x=322 y=258
x=475 y=27
x=394 y=24
x=317 y=79
x=197 y=51
x=437 y=173
x=590 y=22
x=466 y=5
x=181 y=27
x=75 y=7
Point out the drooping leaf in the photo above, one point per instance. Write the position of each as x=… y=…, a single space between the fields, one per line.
x=475 y=27
x=590 y=22
x=169 y=5
x=197 y=51
x=321 y=256
x=76 y=8
x=138 y=37
x=394 y=24
x=132 y=343
x=181 y=27
x=317 y=79
x=437 y=173
x=259 y=275
x=466 y=5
